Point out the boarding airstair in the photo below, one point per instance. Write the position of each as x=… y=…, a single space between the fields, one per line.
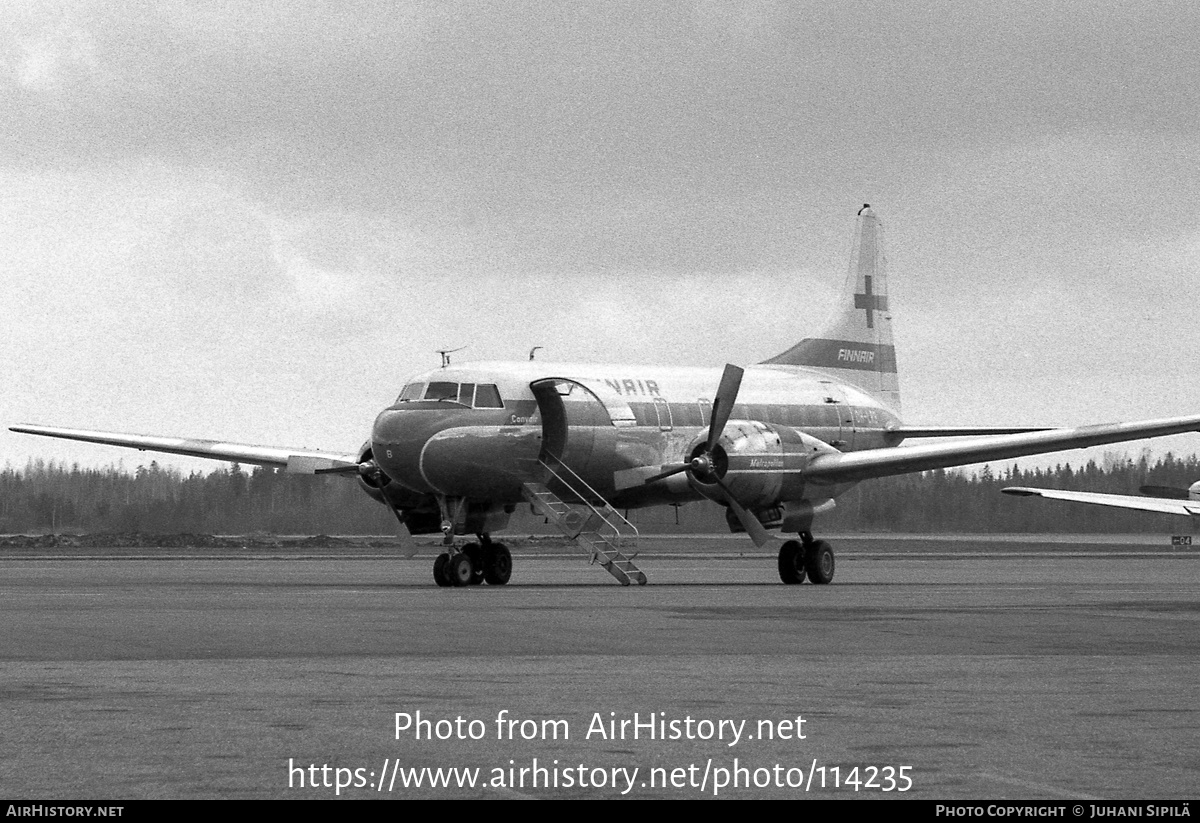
x=593 y=525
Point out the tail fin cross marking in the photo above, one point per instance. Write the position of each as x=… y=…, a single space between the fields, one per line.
x=870 y=301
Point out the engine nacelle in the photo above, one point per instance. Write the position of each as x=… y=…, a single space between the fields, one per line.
x=759 y=463
x=371 y=484
x=421 y=515
x=377 y=484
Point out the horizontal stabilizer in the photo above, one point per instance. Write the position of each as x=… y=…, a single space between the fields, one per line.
x=303 y=461
x=1120 y=501
x=854 y=466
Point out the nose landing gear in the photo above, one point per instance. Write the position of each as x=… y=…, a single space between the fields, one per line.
x=476 y=563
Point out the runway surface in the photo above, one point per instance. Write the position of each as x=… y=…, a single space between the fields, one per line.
x=992 y=675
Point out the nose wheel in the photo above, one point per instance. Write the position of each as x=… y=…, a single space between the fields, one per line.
x=475 y=564
x=439 y=570
x=497 y=564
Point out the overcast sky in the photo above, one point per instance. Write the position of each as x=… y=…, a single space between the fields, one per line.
x=253 y=221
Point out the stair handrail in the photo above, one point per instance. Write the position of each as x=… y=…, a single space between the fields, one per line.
x=595 y=494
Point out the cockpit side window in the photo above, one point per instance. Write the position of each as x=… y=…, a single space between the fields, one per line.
x=411 y=392
x=487 y=396
x=442 y=391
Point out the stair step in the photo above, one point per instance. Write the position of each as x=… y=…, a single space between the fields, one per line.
x=585 y=527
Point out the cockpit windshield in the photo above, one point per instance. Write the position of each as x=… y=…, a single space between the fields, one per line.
x=441 y=391
x=481 y=396
x=411 y=392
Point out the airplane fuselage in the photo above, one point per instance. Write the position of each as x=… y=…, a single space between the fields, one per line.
x=617 y=417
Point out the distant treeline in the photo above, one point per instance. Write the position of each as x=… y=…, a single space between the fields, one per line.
x=50 y=497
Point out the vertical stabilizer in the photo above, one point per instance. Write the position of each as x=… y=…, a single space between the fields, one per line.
x=856 y=347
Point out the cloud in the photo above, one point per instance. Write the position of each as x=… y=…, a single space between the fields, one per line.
x=202 y=198
x=663 y=137
x=49 y=65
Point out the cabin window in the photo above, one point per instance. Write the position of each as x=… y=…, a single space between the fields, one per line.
x=643 y=414
x=411 y=392
x=487 y=396
x=686 y=414
x=442 y=391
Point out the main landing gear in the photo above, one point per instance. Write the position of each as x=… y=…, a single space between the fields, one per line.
x=806 y=557
x=474 y=564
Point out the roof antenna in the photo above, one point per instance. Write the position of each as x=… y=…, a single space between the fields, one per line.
x=445 y=353
x=531 y=351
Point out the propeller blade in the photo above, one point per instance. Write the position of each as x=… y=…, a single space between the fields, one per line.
x=753 y=526
x=631 y=478
x=727 y=392
x=408 y=546
x=343 y=468
x=1170 y=492
x=682 y=467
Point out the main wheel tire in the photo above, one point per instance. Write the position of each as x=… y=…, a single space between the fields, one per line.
x=475 y=552
x=439 y=570
x=460 y=569
x=791 y=562
x=497 y=564
x=819 y=562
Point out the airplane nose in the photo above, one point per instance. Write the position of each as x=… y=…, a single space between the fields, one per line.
x=443 y=449
x=397 y=438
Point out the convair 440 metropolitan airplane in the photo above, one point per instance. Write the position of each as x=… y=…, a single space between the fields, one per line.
x=775 y=443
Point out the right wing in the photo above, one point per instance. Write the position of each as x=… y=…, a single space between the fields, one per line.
x=861 y=465
x=1120 y=501
x=295 y=461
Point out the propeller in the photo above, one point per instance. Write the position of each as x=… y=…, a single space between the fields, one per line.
x=373 y=475
x=703 y=463
x=753 y=526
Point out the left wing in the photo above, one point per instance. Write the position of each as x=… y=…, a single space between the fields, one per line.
x=295 y=461
x=852 y=466
x=1120 y=501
